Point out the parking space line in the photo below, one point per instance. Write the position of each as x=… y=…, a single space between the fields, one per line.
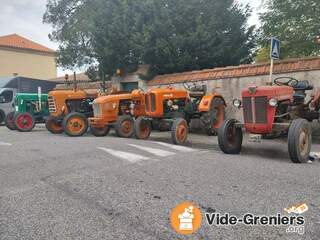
x=177 y=147
x=130 y=157
x=5 y=144
x=154 y=151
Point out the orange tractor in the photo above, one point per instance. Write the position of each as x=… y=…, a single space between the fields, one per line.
x=169 y=109
x=69 y=111
x=117 y=110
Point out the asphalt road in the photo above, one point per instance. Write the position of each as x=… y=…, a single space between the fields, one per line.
x=56 y=187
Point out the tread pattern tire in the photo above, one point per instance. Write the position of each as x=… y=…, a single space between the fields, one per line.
x=100 y=132
x=142 y=128
x=52 y=125
x=230 y=142
x=10 y=121
x=295 y=138
x=24 y=122
x=208 y=119
x=2 y=116
x=74 y=129
x=124 y=126
x=179 y=131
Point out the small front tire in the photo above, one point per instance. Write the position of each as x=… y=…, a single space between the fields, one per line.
x=179 y=131
x=299 y=141
x=24 y=122
x=10 y=121
x=53 y=125
x=125 y=126
x=100 y=132
x=75 y=124
x=230 y=137
x=142 y=128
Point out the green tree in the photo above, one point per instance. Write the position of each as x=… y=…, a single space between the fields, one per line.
x=170 y=35
x=296 y=23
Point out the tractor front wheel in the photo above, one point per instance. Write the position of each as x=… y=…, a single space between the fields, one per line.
x=10 y=121
x=125 y=126
x=100 y=132
x=75 y=124
x=142 y=128
x=179 y=131
x=214 y=119
x=24 y=122
x=230 y=137
x=53 y=125
x=299 y=141
x=2 y=116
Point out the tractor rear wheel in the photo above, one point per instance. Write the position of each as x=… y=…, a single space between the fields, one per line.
x=24 y=122
x=100 y=132
x=179 y=131
x=10 y=121
x=75 y=124
x=142 y=128
x=230 y=137
x=2 y=116
x=53 y=125
x=125 y=126
x=299 y=141
x=213 y=119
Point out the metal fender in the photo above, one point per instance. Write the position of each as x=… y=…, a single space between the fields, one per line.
x=206 y=101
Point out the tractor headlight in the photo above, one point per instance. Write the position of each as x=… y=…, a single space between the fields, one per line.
x=273 y=102
x=237 y=103
x=170 y=103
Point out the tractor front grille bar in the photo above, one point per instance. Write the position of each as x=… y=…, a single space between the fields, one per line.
x=52 y=105
x=255 y=109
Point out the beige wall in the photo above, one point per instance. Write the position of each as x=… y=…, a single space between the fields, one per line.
x=27 y=64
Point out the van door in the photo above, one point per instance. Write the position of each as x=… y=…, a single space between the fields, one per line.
x=6 y=100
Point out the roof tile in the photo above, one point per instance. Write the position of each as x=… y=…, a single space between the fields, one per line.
x=286 y=66
x=16 y=41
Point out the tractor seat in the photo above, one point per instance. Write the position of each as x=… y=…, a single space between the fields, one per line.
x=303 y=86
x=300 y=91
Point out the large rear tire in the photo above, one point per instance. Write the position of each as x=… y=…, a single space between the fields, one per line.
x=299 y=141
x=214 y=119
x=100 y=132
x=53 y=125
x=142 y=128
x=10 y=121
x=125 y=126
x=75 y=124
x=230 y=137
x=179 y=131
x=2 y=116
x=24 y=122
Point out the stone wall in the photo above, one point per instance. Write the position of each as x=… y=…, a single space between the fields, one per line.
x=231 y=88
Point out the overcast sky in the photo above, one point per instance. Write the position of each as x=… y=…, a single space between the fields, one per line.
x=24 y=17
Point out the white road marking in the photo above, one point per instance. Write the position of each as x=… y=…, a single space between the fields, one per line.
x=5 y=144
x=130 y=157
x=154 y=151
x=177 y=147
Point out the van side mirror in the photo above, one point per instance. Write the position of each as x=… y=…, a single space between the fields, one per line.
x=2 y=99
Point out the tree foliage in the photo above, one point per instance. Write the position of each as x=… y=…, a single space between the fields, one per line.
x=296 y=23
x=170 y=35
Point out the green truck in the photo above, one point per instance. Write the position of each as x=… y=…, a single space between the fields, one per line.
x=30 y=108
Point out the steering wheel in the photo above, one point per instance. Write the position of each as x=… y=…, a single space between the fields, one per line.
x=286 y=81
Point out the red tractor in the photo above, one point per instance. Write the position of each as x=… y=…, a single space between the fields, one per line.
x=270 y=111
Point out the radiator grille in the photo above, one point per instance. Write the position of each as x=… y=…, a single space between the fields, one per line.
x=260 y=109
x=247 y=110
x=52 y=105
